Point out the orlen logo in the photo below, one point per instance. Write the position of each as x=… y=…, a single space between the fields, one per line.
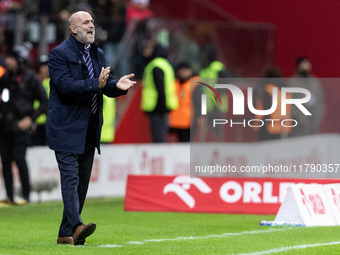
x=181 y=184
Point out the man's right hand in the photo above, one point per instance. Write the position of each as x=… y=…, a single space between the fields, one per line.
x=104 y=75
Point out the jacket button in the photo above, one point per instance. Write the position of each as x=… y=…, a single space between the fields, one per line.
x=79 y=61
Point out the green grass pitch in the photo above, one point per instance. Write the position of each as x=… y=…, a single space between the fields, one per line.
x=33 y=229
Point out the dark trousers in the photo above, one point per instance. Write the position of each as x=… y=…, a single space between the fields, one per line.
x=13 y=148
x=183 y=135
x=159 y=127
x=39 y=137
x=75 y=173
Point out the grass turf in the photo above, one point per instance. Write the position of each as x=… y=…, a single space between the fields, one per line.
x=33 y=229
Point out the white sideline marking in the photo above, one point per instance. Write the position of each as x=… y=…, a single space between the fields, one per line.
x=111 y=246
x=191 y=237
x=288 y=248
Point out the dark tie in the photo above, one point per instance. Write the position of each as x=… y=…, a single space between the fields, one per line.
x=89 y=66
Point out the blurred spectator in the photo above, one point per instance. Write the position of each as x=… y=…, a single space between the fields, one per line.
x=211 y=67
x=138 y=10
x=112 y=26
x=39 y=134
x=112 y=22
x=10 y=8
x=109 y=116
x=19 y=88
x=185 y=48
x=158 y=92
x=264 y=101
x=137 y=16
x=180 y=117
x=211 y=72
x=2 y=72
x=63 y=10
x=303 y=78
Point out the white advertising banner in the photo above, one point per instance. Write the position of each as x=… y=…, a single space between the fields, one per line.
x=111 y=168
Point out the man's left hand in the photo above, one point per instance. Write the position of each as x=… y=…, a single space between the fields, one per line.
x=125 y=83
x=25 y=123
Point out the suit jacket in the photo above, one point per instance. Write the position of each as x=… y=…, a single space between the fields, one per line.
x=71 y=90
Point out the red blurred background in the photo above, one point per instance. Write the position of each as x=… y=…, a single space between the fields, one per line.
x=307 y=28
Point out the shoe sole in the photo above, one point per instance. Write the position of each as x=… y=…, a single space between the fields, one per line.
x=87 y=231
x=80 y=242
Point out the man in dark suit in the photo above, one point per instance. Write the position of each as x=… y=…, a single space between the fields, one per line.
x=79 y=78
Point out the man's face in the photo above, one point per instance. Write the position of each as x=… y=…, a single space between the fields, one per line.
x=305 y=66
x=43 y=71
x=184 y=73
x=83 y=28
x=148 y=50
x=12 y=64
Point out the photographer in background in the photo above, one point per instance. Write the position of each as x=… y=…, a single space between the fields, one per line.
x=19 y=87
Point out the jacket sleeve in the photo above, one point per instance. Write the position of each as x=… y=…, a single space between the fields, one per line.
x=61 y=77
x=111 y=89
x=158 y=76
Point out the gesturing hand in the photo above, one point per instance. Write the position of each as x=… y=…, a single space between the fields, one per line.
x=104 y=74
x=125 y=83
x=25 y=123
